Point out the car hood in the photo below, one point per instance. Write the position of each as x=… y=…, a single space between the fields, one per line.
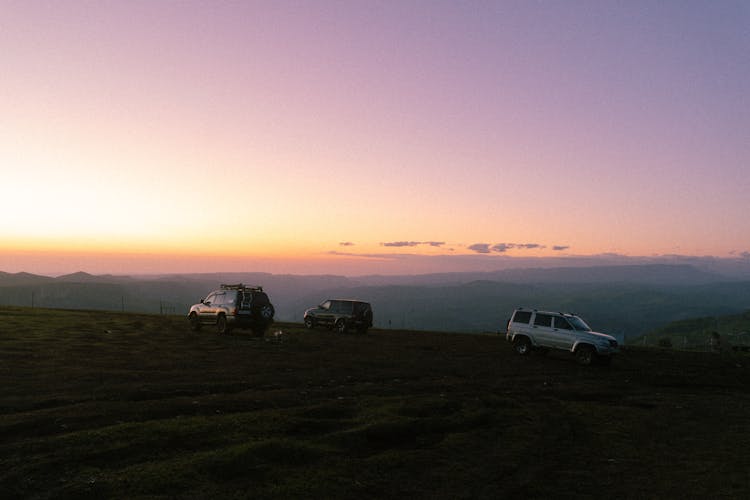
x=602 y=336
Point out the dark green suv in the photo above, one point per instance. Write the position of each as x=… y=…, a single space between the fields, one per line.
x=341 y=314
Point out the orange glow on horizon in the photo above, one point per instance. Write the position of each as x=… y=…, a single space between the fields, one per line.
x=267 y=142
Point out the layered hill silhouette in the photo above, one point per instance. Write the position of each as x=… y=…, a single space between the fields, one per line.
x=627 y=300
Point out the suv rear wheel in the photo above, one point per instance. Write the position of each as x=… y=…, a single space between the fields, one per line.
x=522 y=345
x=221 y=324
x=341 y=326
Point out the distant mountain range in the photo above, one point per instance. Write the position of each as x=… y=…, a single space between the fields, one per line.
x=626 y=300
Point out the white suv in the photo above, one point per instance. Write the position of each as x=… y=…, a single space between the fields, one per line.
x=530 y=329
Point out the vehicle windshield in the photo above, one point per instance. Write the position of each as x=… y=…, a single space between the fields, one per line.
x=578 y=323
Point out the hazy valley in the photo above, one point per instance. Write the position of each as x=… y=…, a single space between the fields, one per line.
x=625 y=300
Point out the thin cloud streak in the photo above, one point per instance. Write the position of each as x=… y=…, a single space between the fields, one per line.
x=485 y=248
x=480 y=247
x=400 y=244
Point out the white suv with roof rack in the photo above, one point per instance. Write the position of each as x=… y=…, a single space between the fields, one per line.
x=530 y=329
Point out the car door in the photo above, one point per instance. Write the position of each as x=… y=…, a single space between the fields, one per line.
x=219 y=305
x=563 y=334
x=344 y=309
x=207 y=308
x=520 y=323
x=542 y=330
x=325 y=313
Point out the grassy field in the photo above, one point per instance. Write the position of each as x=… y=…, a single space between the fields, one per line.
x=694 y=333
x=109 y=405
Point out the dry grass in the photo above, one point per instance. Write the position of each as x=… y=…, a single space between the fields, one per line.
x=134 y=406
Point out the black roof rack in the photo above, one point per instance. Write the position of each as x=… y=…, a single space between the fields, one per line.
x=240 y=286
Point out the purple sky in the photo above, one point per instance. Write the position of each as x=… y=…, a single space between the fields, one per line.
x=519 y=128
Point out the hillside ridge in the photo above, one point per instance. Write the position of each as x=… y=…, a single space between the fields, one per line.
x=626 y=301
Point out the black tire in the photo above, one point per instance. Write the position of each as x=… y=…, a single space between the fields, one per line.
x=262 y=308
x=195 y=323
x=267 y=312
x=309 y=323
x=341 y=326
x=522 y=346
x=221 y=324
x=585 y=355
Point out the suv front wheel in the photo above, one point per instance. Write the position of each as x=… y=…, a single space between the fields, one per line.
x=195 y=323
x=309 y=323
x=585 y=355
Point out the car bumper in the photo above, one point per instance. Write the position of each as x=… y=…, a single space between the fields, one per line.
x=607 y=350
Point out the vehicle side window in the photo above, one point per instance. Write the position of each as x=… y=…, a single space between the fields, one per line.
x=210 y=299
x=522 y=317
x=326 y=305
x=543 y=320
x=361 y=307
x=230 y=299
x=562 y=323
x=220 y=298
x=338 y=306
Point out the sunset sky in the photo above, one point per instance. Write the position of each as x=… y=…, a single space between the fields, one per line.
x=369 y=136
